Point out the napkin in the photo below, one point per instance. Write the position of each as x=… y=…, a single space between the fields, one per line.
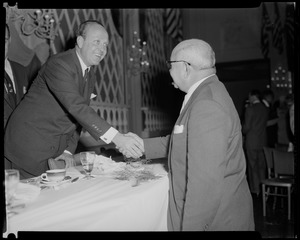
x=26 y=193
x=104 y=165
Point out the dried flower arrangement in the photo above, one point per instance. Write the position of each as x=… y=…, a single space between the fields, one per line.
x=135 y=169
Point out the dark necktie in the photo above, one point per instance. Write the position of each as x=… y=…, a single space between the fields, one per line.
x=86 y=73
x=9 y=87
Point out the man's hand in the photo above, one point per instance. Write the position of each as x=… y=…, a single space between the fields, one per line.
x=130 y=144
x=68 y=158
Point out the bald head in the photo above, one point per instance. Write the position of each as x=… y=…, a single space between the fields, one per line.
x=195 y=51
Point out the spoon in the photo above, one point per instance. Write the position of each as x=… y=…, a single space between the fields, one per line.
x=75 y=179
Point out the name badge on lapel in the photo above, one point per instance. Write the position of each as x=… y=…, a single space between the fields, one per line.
x=178 y=129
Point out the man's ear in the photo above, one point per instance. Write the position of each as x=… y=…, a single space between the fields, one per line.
x=80 y=41
x=187 y=70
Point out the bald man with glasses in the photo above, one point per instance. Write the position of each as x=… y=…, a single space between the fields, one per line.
x=208 y=186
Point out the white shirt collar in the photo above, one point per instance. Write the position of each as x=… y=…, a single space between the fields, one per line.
x=82 y=64
x=192 y=89
x=256 y=101
x=266 y=103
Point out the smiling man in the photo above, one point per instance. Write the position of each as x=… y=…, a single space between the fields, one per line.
x=48 y=121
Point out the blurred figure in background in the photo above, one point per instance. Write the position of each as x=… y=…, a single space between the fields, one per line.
x=283 y=138
x=17 y=79
x=254 y=129
x=272 y=128
x=290 y=121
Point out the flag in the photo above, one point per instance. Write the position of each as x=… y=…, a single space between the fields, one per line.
x=289 y=30
x=174 y=23
x=277 y=31
x=265 y=28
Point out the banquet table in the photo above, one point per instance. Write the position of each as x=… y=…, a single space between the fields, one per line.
x=99 y=204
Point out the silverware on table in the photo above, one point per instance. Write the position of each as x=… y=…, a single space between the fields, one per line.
x=74 y=180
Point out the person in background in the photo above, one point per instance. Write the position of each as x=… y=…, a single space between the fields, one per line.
x=283 y=123
x=17 y=79
x=48 y=121
x=254 y=129
x=208 y=186
x=290 y=121
x=272 y=127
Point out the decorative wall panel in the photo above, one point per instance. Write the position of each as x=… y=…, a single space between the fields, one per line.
x=154 y=117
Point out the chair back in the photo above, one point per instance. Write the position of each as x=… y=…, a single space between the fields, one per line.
x=283 y=163
x=269 y=160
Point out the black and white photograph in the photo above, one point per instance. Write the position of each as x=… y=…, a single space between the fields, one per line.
x=138 y=120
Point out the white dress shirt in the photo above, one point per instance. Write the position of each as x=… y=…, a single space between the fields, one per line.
x=191 y=91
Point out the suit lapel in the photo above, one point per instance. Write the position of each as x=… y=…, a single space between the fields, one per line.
x=183 y=117
x=11 y=97
x=18 y=84
x=8 y=100
x=195 y=94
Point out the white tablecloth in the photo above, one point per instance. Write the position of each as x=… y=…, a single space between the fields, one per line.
x=99 y=204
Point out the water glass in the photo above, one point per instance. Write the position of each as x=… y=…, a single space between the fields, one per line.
x=87 y=160
x=12 y=178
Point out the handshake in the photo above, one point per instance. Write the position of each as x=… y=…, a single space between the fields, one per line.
x=129 y=144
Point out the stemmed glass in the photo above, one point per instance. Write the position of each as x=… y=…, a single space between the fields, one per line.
x=87 y=160
x=12 y=178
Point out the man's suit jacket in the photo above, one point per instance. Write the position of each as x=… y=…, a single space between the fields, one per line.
x=255 y=126
x=208 y=187
x=23 y=77
x=50 y=117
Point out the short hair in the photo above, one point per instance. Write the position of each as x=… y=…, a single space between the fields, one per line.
x=255 y=92
x=196 y=52
x=81 y=31
x=268 y=92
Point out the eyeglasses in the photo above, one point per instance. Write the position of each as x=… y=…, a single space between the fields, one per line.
x=169 y=63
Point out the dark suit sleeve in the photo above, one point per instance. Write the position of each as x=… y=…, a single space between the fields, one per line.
x=208 y=132
x=64 y=83
x=156 y=147
x=73 y=141
x=248 y=120
x=32 y=70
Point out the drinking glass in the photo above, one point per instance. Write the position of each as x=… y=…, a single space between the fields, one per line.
x=12 y=178
x=87 y=160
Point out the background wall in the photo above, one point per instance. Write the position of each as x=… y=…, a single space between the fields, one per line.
x=233 y=33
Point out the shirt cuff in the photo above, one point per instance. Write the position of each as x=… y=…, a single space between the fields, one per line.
x=109 y=135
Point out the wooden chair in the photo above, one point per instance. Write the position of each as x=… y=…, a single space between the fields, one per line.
x=269 y=161
x=283 y=178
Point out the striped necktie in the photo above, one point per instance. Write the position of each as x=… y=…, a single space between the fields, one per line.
x=8 y=85
x=86 y=73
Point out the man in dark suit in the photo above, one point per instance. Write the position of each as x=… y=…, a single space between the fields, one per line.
x=208 y=186
x=48 y=121
x=254 y=128
x=17 y=79
x=272 y=127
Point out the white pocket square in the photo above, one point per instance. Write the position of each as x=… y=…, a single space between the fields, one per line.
x=93 y=96
x=178 y=129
